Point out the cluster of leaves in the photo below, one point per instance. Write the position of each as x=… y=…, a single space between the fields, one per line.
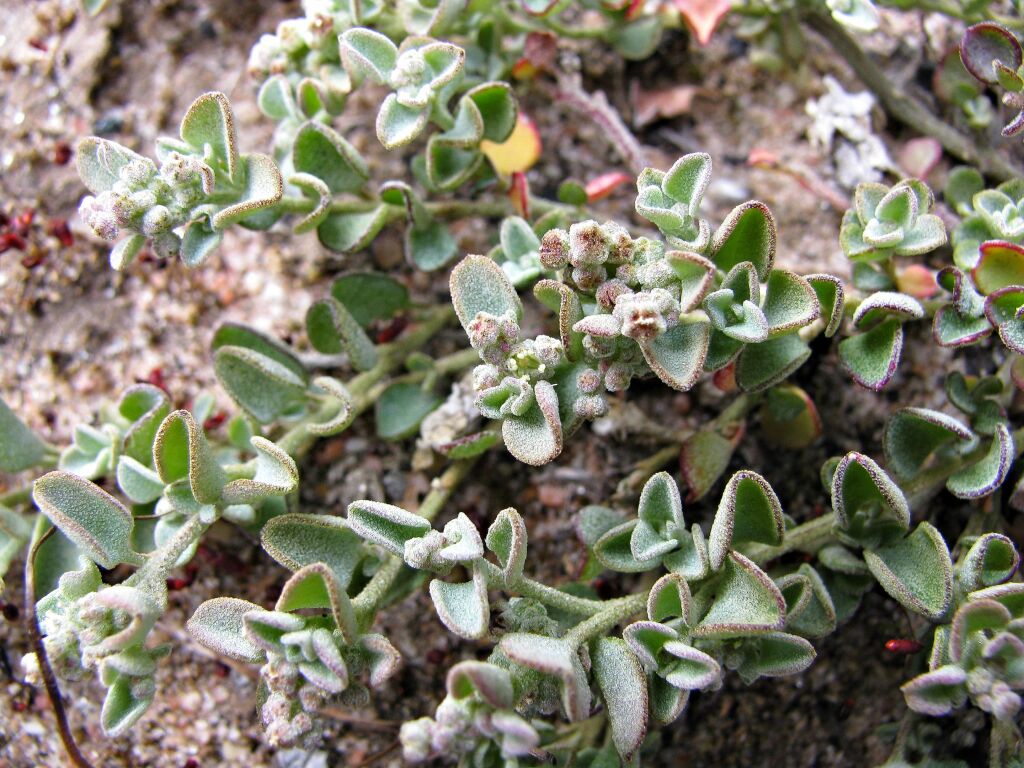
x=631 y=307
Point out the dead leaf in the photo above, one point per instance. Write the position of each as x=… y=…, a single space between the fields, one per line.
x=649 y=106
x=703 y=16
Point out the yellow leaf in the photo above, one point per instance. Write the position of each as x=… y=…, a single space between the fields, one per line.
x=519 y=152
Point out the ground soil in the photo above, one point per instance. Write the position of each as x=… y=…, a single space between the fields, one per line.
x=74 y=333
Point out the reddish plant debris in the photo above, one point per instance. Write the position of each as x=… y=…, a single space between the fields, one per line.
x=602 y=186
x=903 y=646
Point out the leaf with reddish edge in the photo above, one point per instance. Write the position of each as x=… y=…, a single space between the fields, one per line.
x=917 y=281
x=984 y=44
x=919 y=156
x=1001 y=265
x=602 y=186
x=872 y=358
x=519 y=152
x=519 y=194
x=704 y=457
x=703 y=16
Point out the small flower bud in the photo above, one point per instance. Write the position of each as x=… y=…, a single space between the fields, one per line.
x=588 y=244
x=485 y=376
x=588 y=278
x=589 y=381
x=620 y=244
x=167 y=245
x=617 y=377
x=590 y=407
x=609 y=291
x=156 y=220
x=415 y=737
x=554 y=249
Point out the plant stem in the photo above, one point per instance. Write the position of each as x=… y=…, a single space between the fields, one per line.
x=39 y=648
x=555 y=598
x=442 y=209
x=614 y=612
x=807 y=537
x=905 y=108
x=298 y=440
x=366 y=602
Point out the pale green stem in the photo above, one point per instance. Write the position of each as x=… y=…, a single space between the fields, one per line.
x=366 y=602
x=443 y=209
x=555 y=598
x=160 y=563
x=614 y=612
x=297 y=440
x=807 y=537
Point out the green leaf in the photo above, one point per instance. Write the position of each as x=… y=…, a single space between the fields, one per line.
x=275 y=98
x=572 y=193
x=470 y=445
x=400 y=409
x=984 y=44
x=298 y=540
x=199 y=242
x=506 y=538
x=871 y=358
x=397 y=124
x=145 y=406
x=831 y=298
x=817 y=616
x=264 y=387
x=478 y=285
x=636 y=40
x=352 y=231
x=913 y=435
x=764 y=365
x=983 y=477
x=695 y=275
x=916 y=571
x=870 y=508
x=331 y=329
x=20 y=447
x=263 y=188
x=704 y=457
x=367 y=53
x=209 y=122
x=937 y=692
x=275 y=475
x=991 y=560
x=121 y=707
x=137 y=481
x=747 y=234
x=883 y=304
x=431 y=245
x=321 y=151
x=1001 y=265
x=385 y=524
x=498 y=108
x=776 y=654
x=613 y=549
x=561 y=299
x=99 y=162
x=316 y=586
x=463 y=608
x=687 y=180
x=789 y=417
x=370 y=296
x=623 y=686
x=748 y=512
x=535 y=438
x=180 y=450
x=790 y=302
x=677 y=356
x=746 y=601
x=94 y=520
x=552 y=656
x=217 y=625
x=670 y=598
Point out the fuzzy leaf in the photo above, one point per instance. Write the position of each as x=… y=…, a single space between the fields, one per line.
x=20 y=448
x=789 y=417
x=764 y=365
x=347 y=232
x=331 y=329
x=518 y=152
x=263 y=187
x=883 y=304
x=870 y=508
x=746 y=601
x=262 y=386
x=122 y=708
x=938 y=692
x=137 y=481
x=670 y=598
x=614 y=550
x=431 y=245
x=367 y=53
x=553 y=656
x=95 y=521
x=275 y=475
x=748 y=512
x=321 y=151
x=790 y=302
x=817 y=618
x=506 y=538
x=778 y=654
x=623 y=686
x=1001 y=265
x=297 y=540
x=991 y=560
x=677 y=356
x=747 y=234
x=463 y=608
x=687 y=180
x=370 y=296
x=913 y=435
x=217 y=625
x=180 y=450
x=400 y=409
x=872 y=357
x=983 y=477
x=916 y=571
x=99 y=162
x=385 y=524
x=317 y=586
x=695 y=274
x=535 y=438
x=210 y=122
x=984 y=44
x=478 y=285
x=704 y=458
